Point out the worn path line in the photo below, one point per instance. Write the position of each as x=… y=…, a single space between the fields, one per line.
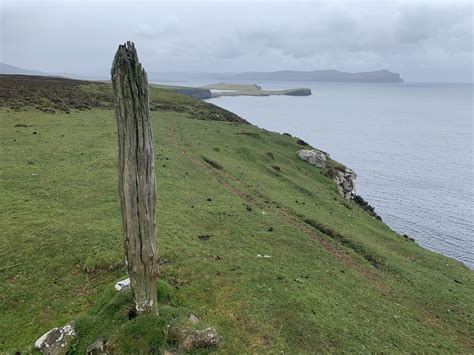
x=371 y=275
x=339 y=254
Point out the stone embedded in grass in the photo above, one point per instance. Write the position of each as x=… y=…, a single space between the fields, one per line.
x=199 y=339
x=99 y=347
x=57 y=341
x=122 y=284
x=314 y=157
x=193 y=319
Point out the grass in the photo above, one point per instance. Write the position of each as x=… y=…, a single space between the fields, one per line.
x=337 y=279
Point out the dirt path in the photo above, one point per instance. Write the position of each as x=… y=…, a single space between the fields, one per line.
x=370 y=273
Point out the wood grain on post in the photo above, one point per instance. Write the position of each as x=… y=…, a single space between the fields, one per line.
x=136 y=175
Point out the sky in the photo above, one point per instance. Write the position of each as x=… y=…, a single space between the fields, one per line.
x=422 y=40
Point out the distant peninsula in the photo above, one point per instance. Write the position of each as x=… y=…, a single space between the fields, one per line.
x=379 y=76
x=232 y=89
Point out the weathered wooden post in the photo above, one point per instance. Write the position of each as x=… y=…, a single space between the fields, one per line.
x=136 y=175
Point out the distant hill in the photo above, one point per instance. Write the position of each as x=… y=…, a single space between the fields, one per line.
x=11 y=69
x=379 y=76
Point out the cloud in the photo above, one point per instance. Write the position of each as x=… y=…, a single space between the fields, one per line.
x=417 y=37
x=161 y=27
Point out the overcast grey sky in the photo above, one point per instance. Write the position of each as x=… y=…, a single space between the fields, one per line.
x=422 y=40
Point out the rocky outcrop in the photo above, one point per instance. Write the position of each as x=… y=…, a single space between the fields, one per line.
x=314 y=157
x=342 y=176
x=345 y=182
x=57 y=341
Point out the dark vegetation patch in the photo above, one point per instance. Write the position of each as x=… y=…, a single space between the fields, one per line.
x=366 y=207
x=204 y=237
x=373 y=259
x=301 y=142
x=51 y=94
x=251 y=134
x=287 y=134
x=56 y=94
x=213 y=163
x=276 y=168
x=270 y=155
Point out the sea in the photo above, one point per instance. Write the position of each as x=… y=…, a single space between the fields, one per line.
x=411 y=145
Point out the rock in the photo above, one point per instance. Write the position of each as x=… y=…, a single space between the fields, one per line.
x=301 y=142
x=21 y=125
x=193 y=319
x=57 y=341
x=199 y=339
x=314 y=157
x=345 y=183
x=122 y=284
x=99 y=347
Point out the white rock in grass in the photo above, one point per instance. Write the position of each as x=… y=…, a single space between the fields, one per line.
x=57 y=341
x=122 y=284
x=315 y=157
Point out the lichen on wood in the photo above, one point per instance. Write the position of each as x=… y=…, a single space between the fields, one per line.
x=136 y=175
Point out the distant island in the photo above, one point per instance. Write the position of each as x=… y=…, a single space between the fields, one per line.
x=379 y=76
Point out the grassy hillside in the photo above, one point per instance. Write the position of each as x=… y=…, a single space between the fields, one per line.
x=336 y=279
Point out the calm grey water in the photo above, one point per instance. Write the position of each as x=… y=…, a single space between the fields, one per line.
x=410 y=144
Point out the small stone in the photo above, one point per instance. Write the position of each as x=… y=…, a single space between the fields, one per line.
x=200 y=339
x=270 y=229
x=99 y=347
x=122 y=284
x=193 y=319
x=57 y=341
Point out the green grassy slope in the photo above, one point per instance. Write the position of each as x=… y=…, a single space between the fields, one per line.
x=336 y=280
